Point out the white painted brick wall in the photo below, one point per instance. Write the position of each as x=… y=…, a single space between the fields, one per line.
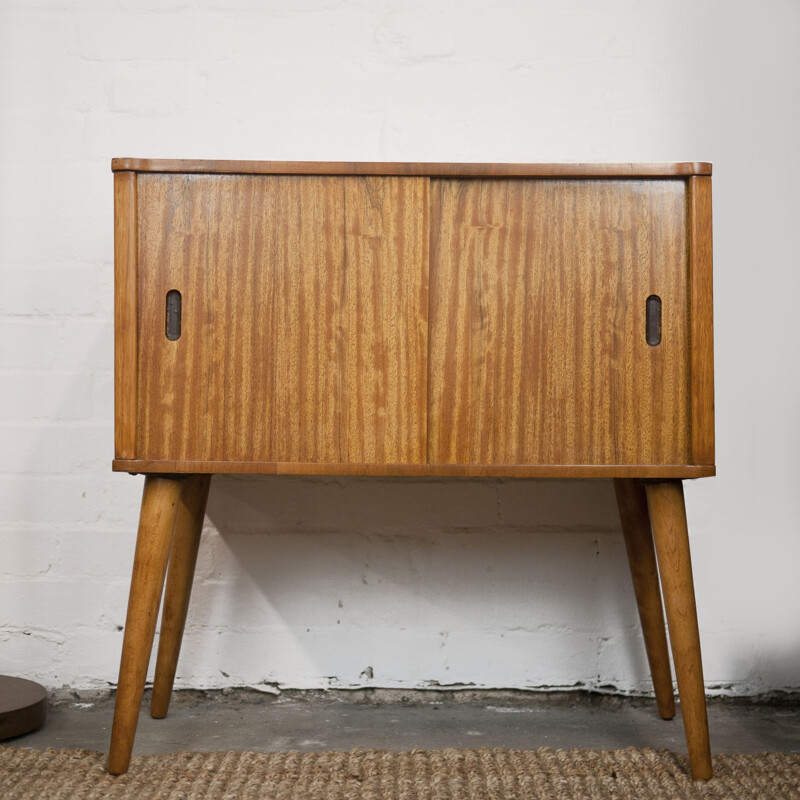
x=309 y=582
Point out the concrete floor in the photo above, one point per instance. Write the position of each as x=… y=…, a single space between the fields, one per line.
x=307 y=721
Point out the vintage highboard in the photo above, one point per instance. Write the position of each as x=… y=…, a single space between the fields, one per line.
x=499 y=320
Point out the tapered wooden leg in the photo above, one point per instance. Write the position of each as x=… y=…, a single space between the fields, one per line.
x=159 y=505
x=671 y=535
x=632 y=503
x=182 y=561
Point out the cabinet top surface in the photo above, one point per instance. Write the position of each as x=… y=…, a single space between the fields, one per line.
x=661 y=170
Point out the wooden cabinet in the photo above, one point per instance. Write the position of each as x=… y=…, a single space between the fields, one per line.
x=410 y=319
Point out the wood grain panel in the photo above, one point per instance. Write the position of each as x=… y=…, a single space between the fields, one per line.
x=537 y=322
x=125 y=314
x=212 y=167
x=702 y=316
x=304 y=318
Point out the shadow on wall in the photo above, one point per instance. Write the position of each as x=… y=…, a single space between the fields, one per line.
x=510 y=582
x=403 y=505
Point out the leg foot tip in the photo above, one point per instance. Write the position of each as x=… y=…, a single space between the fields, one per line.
x=116 y=768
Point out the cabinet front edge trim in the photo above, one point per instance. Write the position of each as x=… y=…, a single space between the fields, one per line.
x=423 y=169
x=419 y=470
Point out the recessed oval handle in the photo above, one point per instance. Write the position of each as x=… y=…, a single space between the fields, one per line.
x=653 y=320
x=173 y=322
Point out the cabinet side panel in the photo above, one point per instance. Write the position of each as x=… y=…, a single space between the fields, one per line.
x=304 y=319
x=702 y=316
x=125 y=321
x=537 y=322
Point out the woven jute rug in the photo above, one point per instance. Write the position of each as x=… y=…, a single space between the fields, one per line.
x=382 y=775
